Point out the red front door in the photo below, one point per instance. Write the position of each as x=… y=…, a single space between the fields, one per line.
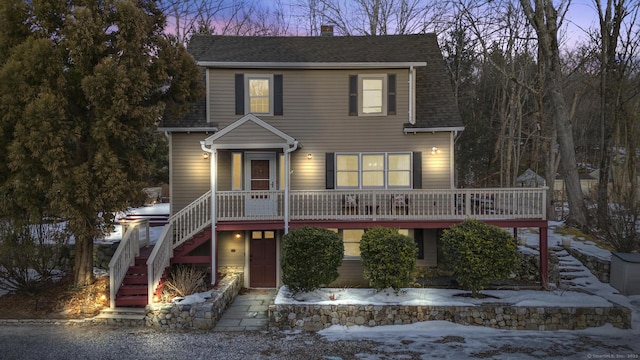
x=262 y=259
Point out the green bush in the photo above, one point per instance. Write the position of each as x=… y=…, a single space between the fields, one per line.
x=478 y=253
x=389 y=258
x=310 y=258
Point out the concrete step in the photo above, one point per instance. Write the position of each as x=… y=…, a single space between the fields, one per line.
x=123 y=313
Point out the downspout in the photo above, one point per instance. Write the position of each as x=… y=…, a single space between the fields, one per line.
x=411 y=102
x=214 y=235
x=287 y=176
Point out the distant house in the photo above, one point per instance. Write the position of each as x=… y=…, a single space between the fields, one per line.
x=345 y=133
x=530 y=179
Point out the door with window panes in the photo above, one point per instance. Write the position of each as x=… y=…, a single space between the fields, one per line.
x=260 y=178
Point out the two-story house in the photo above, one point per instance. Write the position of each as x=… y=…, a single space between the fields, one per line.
x=345 y=133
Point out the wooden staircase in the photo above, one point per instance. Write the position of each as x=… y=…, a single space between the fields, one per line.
x=134 y=289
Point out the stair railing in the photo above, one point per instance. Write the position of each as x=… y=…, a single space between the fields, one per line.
x=159 y=260
x=125 y=255
x=192 y=219
x=183 y=225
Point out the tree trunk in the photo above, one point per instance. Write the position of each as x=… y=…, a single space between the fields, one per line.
x=544 y=19
x=83 y=262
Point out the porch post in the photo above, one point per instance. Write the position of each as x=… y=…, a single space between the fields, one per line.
x=287 y=178
x=287 y=175
x=213 y=163
x=214 y=232
x=544 y=258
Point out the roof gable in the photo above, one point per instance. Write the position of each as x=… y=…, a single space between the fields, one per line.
x=236 y=133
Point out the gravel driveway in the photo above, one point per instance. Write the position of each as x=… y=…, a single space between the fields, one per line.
x=51 y=341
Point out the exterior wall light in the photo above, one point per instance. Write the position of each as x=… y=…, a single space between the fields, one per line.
x=205 y=155
x=309 y=156
x=435 y=150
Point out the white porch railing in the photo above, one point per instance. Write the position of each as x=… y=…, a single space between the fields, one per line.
x=159 y=259
x=125 y=254
x=181 y=227
x=192 y=219
x=410 y=204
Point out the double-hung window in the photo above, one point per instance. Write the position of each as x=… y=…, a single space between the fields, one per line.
x=373 y=170
x=259 y=94
x=372 y=94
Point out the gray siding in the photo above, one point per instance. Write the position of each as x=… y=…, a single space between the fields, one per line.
x=351 y=274
x=231 y=251
x=317 y=116
x=189 y=171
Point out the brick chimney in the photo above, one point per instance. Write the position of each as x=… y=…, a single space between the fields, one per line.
x=326 y=30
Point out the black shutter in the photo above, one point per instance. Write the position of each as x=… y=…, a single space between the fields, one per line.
x=353 y=95
x=330 y=170
x=417 y=170
x=277 y=95
x=391 y=94
x=239 y=94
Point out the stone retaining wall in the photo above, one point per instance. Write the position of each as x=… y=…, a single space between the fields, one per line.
x=530 y=267
x=200 y=316
x=599 y=268
x=499 y=316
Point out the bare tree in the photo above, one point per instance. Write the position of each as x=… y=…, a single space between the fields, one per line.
x=374 y=17
x=611 y=74
x=224 y=17
x=545 y=17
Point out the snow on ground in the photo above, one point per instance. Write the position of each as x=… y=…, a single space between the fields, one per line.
x=445 y=340
x=150 y=210
x=439 y=297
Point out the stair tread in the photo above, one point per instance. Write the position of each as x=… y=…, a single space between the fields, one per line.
x=123 y=310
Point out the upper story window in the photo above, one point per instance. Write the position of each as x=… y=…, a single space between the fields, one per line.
x=372 y=94
x=373 y=170
x=259 y=94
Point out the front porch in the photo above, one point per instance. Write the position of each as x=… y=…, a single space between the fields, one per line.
x=380 y=205
x=509 y=208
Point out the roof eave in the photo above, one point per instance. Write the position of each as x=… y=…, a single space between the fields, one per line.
x=409 y=130
x=311 y=65
x=187 y=129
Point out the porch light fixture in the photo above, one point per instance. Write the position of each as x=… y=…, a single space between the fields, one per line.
x=238 y=236
x=435 y=150
x=205 y=155
x=309 y=156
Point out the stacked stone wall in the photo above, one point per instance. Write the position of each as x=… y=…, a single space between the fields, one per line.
x=499 y=316
x=600 y=268
x=200 y=316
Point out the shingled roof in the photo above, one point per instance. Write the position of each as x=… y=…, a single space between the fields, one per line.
x=436 y=105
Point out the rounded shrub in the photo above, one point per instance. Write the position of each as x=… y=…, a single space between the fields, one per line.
x=310 y=258
x=478 y=253
x=389 y=258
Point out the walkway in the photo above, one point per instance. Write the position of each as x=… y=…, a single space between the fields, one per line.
x=248 y=311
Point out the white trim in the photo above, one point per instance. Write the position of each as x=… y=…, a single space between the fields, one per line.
x=383 y=96
x=452 y=168
x=247 y=93
x=188 y=129
x=385 y=170
x=433 y=130
x=288 y=140
x=412 y=99
x=207 y=102
x=311 y=65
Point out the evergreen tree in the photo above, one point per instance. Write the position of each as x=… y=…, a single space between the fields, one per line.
x=82 y=83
